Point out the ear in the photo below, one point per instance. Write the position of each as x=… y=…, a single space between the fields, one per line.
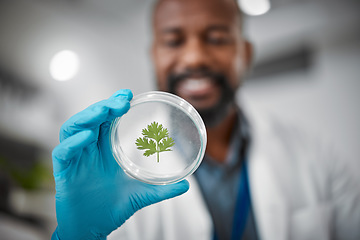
x=248 y=52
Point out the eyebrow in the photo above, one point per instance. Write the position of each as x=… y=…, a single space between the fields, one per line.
x=218 y=27
x=171 y=30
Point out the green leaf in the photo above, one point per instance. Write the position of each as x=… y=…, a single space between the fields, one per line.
x=152 y=131
x=166 y=144
x=163 y=133
x=156 y=139
x=146 y=144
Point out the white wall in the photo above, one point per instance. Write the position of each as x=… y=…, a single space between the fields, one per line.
x=325 y=100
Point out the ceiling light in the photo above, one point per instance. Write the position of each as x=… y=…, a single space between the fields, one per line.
x=254 y=7
x=64 y=65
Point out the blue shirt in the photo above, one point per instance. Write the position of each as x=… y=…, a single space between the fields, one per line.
x=219 y=183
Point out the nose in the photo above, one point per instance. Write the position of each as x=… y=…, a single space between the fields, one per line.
x=194 y=55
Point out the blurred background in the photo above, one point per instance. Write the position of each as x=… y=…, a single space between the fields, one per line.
x=306 y=71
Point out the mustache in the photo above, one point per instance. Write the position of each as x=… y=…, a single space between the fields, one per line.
x=175 y=78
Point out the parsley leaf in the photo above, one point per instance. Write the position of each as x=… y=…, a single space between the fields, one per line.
x=156 y=139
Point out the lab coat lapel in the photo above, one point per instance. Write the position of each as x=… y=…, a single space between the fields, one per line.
x=268 y=201
x=269 y=206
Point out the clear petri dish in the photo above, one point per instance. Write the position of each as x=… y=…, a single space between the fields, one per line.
x=160 y=140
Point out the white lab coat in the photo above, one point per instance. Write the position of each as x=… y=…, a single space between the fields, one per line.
x=299 y=190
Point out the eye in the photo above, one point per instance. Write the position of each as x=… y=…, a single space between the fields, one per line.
x=173 y=43
x=218 y=41
x=172 y=40
x=218 y=38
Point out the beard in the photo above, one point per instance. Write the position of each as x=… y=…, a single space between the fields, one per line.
x=214 y=115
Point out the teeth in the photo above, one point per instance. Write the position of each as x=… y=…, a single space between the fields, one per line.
x=197 y=84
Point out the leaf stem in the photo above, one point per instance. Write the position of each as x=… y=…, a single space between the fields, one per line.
x=157 y=151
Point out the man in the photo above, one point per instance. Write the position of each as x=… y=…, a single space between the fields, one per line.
x=257 y=181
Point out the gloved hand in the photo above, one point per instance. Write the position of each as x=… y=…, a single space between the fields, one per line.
x=93 y=194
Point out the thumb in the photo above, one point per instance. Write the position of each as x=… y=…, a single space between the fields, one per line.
x=150 y=195
x=163 y=192
x=157 y=193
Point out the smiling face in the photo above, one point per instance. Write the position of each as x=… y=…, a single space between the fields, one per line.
x=199 y=53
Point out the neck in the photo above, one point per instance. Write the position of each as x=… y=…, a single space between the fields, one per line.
x=219 y=137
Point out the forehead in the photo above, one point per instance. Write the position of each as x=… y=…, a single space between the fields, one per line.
x=183 y=13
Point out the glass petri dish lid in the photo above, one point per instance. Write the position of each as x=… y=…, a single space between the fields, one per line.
x=160 y=140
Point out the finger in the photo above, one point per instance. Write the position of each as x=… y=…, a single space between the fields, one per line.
x=70 y=149
x=157 y=193
x=124 y=93
x=98 y=113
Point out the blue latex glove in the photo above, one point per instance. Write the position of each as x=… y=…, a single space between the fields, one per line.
x=93 y=194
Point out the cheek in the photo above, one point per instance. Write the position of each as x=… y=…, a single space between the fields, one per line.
x=233 y=66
